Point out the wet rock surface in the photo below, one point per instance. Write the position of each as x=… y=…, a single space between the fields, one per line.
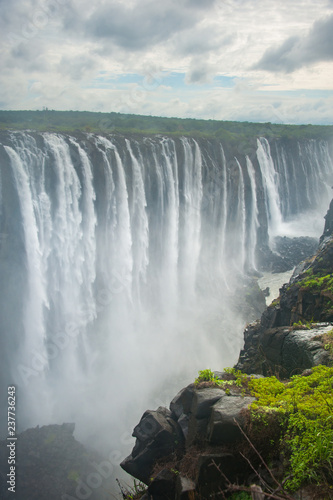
x=286 y=339
x=212 y=417
x=157 y=435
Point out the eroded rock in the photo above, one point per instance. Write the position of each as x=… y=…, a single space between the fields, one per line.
x=226 y=417
x=157 y=435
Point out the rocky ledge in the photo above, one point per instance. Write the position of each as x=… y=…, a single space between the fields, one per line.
x=204 y=422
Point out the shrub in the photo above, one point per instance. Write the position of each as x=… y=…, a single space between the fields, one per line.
x=305 y=405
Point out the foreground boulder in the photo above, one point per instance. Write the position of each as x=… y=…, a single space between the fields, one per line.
x=227 y=419
x=157 y=435
x=197 y=415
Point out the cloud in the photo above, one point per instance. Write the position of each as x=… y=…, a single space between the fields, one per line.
x=202 y=39
x=144 y=24
x=200 y=72
x=297 y=52
x=78 y=67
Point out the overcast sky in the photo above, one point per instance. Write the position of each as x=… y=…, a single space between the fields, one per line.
x=255 y=60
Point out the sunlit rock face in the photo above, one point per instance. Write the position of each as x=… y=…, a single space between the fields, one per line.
x=120 y=258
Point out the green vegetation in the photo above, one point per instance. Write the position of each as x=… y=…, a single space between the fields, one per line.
x=134 y=492
x=291 y=418
x=304 y=409
x=226 y=131
x=240 y=495
x=232 y=378
x=317 y=283
x=206 y=376
x=307 y=325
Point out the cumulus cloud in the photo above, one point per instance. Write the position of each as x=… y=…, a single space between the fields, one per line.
x=78 y=67
x=143 y=24
x=297 y=52
x=78 y=54
x=201 y=40
x=200 y=72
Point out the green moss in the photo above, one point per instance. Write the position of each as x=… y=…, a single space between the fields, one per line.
x=305 y=408
x=317 y=283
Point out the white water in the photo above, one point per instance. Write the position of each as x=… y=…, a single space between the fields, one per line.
x=192 y=192
x=271 y=188
x=274 y=282
x=254 y=223
x=132 y=250
x=241 y=219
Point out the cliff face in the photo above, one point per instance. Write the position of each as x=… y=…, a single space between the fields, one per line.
x=289 y=336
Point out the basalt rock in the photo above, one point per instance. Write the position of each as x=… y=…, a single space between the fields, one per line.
x=212 y=417
x=283 y=351
x=294 y=250
x=157 y=435
x=286 y=340
x=227 y=418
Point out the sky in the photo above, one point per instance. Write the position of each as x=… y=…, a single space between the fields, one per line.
x=247 y=60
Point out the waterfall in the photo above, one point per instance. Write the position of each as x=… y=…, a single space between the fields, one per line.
x=241 y=218
x=254 y=223
x=169 y=274
x=192 y=197
x=271 y=187
x=297 y=181
x=121 y=258
x=34 y=327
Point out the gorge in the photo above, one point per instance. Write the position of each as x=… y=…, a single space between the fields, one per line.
x=123 y=261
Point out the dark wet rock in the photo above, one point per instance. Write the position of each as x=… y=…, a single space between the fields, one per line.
x=157 y=435
x=283 y=351
x=182 y=402
x=210 y=466
x=203 y=400
x=294 y=250
x=328 y=229
x=183 y=423
x=281 y=342
x=197 y=430
x=163 y=486
x=227 y=416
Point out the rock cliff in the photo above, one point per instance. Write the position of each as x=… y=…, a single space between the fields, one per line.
x=291 y=334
